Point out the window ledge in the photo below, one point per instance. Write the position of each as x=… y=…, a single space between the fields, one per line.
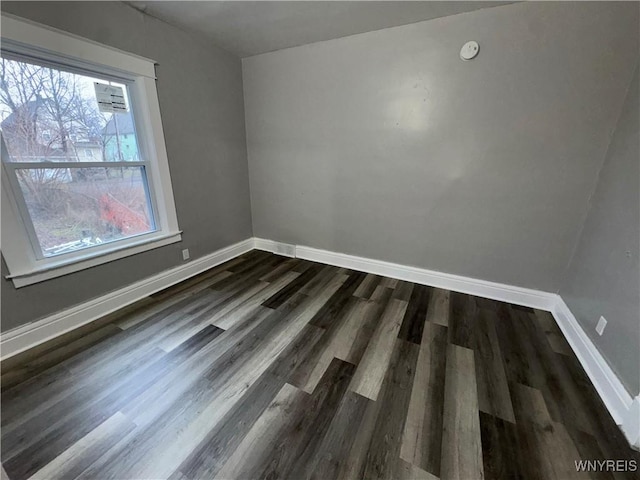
x=92 y=259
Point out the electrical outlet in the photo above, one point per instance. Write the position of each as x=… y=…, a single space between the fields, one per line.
x=185 y=254
x=600 y=326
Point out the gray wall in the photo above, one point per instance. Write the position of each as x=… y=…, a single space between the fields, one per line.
x=200 y=92
x=604 y=275
x=387 y=145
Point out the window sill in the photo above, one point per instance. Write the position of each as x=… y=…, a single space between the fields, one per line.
x=64 y=267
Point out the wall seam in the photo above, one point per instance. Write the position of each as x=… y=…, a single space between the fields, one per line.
x=574 y=250
x=246 y=146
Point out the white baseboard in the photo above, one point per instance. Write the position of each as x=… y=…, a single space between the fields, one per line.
x=27 y=336
x=624 y=409
x=264 y=244
x=456 y=283
x=286 y=249
x=631 y=423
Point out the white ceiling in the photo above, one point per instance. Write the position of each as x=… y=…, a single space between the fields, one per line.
x=250 y=28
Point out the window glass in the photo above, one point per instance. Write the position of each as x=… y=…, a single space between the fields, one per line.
x=51 y=115
x=73 y=208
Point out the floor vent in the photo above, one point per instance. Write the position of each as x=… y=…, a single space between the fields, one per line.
x=285 y=249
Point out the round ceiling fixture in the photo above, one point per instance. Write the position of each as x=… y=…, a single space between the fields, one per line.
x=469 y=50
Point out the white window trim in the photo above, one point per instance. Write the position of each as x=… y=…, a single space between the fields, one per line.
x=28 y=38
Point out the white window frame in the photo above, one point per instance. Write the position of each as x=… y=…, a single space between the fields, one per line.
x=26 y=39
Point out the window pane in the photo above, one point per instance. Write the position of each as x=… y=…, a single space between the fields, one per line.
x=50 y=115
x=75 y=208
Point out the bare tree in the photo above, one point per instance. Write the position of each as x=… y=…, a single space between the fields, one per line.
x=62 y=91
x=35 y=100
x=21 y=86
x=86 y=114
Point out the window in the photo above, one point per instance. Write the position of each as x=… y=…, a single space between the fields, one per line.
x=94 y=185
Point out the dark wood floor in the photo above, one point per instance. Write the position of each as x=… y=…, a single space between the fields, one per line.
x=269 y=367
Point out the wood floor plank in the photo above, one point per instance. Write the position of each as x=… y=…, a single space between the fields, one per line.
x=325 y=317
x=307 y=374
x=416 y=314
x=500 y=449
x=383 y=455
x=225 y=349
x=346 y=339
x=56 y=391
x=280 y=295
x=523 y=362
x=206 y=460
x=371 y=318
x=280 y=446
x=187 y=411
x=588 y=448
x=60 y=342
x=29 y=432
x=225 y=319
x=254 y=261
x=163 y=303
x=338 y=345
x=388 y=282
x=302 y=265
x=32 y=368
x=539 y=436
x=363 y=418
x=221 y=317
x=208 y=406
x=307 y=432
x=558 y=453
x=258 y=442
x=375 y=361
x=367 y=286
x=313 y=286
x=610 y=439
x=529 y=405
x=332 y=458
x=248 y=275
x=407 y=471
x=493 y=390
x=199 y=322
x=286 y=266
x=198 y=282
x=422 y=437
x=381 y=292
x=403 y=290
x=353 y=464
x=462 y=317
x=150 y=331
x=559 y=389
x=554 y=336
x=461 y=443
x=77 y=458
x=438 y=312
x=402 y=381
x=40 y=439
x=517 y=366
x=39 y=443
